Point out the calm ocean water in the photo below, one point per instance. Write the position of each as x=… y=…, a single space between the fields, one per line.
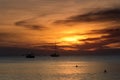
x=61 y=68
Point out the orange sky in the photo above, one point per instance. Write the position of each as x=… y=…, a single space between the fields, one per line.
x=82 y=24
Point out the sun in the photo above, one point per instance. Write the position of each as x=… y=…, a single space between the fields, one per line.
x=69 y=40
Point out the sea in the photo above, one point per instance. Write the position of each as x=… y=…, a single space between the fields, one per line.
x=60 y=68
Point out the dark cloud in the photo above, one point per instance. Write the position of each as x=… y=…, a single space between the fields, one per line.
x=115 y=32
x=29 y=25
x=94 y=16
x=90 y=39
x=112 y=36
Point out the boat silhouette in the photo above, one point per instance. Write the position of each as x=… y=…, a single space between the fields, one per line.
x=55 y=52
x=30 y=55
x=54 y=55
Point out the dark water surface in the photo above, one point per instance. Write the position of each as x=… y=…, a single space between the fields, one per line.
x=61 y=68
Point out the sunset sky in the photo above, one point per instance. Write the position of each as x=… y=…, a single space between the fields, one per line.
x=73 y=25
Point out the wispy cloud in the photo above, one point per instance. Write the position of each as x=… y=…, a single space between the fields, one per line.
x=105 y=15
x=7 y=38
x=29 y=25
x=6 y=35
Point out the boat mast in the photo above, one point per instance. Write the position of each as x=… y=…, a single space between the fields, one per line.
x=55 y=48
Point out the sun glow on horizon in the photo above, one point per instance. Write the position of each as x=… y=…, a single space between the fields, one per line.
x=71 y=40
